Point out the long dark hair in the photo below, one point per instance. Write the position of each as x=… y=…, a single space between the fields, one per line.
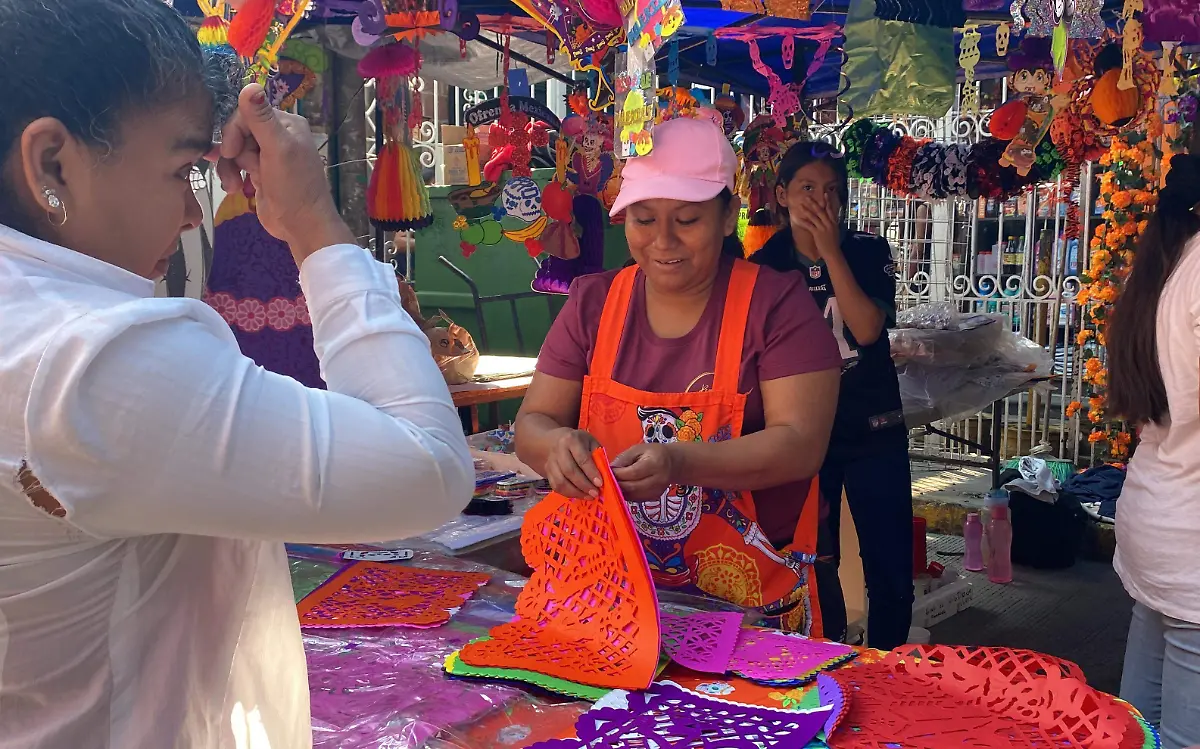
x=88 y=64
x=808 y=152
x=1136 y=390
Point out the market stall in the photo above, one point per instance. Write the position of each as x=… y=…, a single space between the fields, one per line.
x=416 y=642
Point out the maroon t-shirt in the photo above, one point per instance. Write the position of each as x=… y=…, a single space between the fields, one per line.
x=785 y=335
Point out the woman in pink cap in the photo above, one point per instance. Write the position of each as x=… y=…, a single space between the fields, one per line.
x=712 y=381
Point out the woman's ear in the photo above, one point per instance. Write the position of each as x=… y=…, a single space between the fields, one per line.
x=781 y=195
x=43 y=147
x=733 y=212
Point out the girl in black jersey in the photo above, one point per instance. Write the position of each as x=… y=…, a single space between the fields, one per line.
x=852 y=278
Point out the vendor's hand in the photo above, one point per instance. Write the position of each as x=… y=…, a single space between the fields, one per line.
x=644 y=471
x=820 y=219
x=276 y=150
x=570 y=468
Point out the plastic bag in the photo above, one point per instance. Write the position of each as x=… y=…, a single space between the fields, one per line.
x=453 y=349
x=895 y=67
x=952 y=364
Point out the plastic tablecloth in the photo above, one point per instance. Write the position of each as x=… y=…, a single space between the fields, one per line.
x=383 y=687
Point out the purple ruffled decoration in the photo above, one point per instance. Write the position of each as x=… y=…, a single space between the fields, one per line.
x=555 y=274
x=1171 y=21
x=250 y=263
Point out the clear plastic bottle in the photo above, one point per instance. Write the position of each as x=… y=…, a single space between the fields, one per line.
x=973 y=536
x=999 y=545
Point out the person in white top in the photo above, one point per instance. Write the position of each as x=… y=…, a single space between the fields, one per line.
x=1154 y=382
x=149 y=473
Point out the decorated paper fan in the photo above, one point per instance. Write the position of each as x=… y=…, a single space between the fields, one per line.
x=589 y=612
x=373 y=594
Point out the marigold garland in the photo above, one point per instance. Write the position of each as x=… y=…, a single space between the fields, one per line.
x=1128 y=192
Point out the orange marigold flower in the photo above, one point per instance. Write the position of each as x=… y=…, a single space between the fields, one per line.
x=1101 y=230
x=1073 y=408
x=1108 y=295
x=1093 y=365
x=1096 y=402
x=1095 y=417
x=1101 y=258
x=1096 y=436
x=1121 y=200
x=1100 y=339
x=1083 y=296
x=1084 y=336
x=1122 y=438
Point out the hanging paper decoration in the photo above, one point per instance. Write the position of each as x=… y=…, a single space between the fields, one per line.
x=732 y=114
x=1171 y=21
x=1032 y=109
x=579 y=36
x=762 y=146
x=1003 y=36
x=637 y=98
x=800 y=10
x=259 y=30
x=968 y=58
x=668 y=716
x=214 y=29
x=589 y=612
x=652 y=22
x=1086 y=22
x=397 y=199
x=379 y=594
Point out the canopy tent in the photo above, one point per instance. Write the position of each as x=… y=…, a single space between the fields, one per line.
x=703 y=17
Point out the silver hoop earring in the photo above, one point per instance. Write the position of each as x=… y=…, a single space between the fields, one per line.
x=55 y=204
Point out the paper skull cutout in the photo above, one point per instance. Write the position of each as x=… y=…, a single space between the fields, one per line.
x=1003 y=35
x=522 y=199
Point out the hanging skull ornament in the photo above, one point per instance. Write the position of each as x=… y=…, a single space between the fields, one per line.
x=522 y=199
x=1003 y=36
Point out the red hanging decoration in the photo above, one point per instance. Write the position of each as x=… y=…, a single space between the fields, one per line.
x=249 y=28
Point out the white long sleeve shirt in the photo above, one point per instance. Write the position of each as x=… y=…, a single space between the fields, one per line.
x=158 y=612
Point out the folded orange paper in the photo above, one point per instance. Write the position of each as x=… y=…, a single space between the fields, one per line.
x=589 y=613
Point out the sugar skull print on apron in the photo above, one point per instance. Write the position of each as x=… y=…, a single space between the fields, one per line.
x=702 y=540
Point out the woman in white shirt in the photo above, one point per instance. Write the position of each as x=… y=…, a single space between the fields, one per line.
x=149 y=473
x=1154 y=361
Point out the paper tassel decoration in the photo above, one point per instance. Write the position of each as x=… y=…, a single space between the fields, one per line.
x=397 y=199
x=248 y=29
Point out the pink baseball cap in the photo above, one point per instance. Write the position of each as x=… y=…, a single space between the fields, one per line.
x=691 y=161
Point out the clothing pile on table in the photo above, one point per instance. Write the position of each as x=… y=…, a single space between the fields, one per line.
x=952 y=364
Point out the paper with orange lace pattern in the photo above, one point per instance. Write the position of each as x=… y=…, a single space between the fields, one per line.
x=374 y=594
x=588 y=613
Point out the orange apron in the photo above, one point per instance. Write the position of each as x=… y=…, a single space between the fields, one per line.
x=700 y=540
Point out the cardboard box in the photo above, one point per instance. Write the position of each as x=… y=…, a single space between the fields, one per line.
x=942 y=603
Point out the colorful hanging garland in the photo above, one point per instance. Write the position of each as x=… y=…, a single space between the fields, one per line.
x=930 y=170
x=1128 y=192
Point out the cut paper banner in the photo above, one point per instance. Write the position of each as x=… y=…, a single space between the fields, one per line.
x=772 y=657
x=455 y=667
x=703 y=642
x=1046 y=694
x=373 y=594
x=668 y=716
x=589 y=612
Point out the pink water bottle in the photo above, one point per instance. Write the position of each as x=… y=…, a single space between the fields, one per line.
x=973 y=536
x=999 y=545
